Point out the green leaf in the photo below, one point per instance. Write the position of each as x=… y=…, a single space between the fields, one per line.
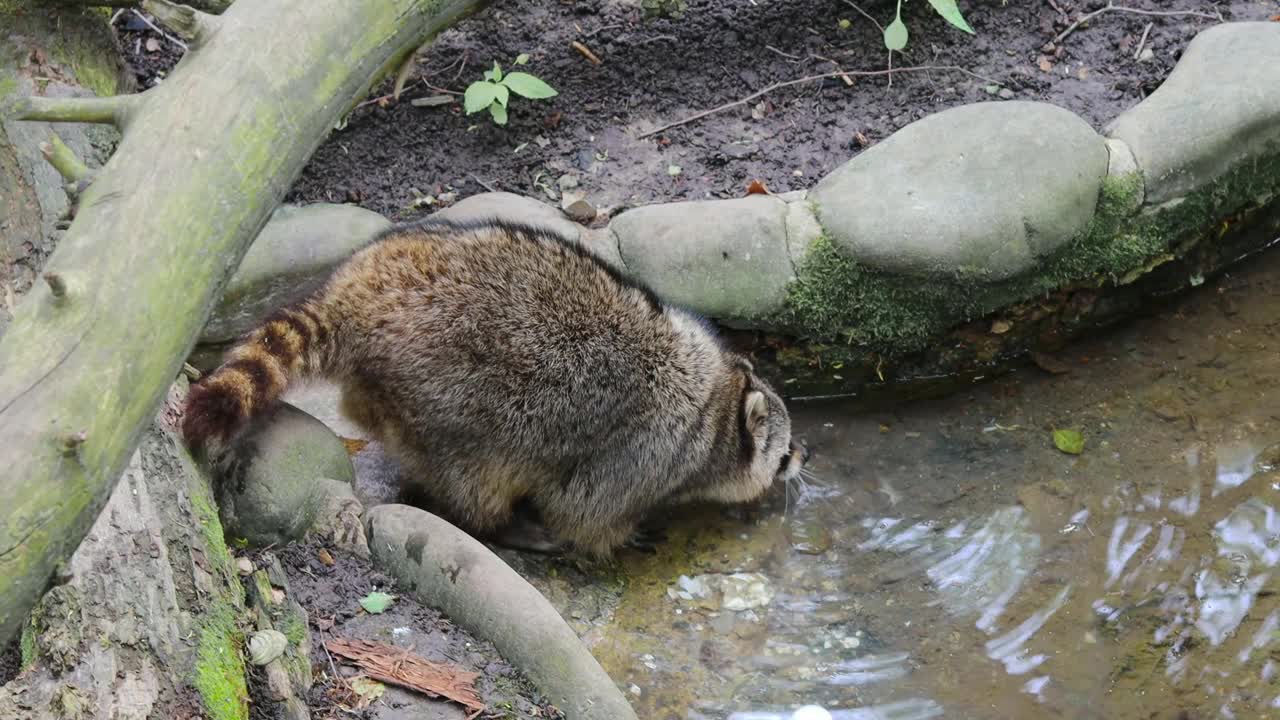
x=376 y=603
x=674 y=170
x=948 y=10
x=501 y=94
x=497 y=72
x=499 y=113
x=526 y=85
x=1069 y=441
x=479 y=95
x=522 y=59
x=895 y=36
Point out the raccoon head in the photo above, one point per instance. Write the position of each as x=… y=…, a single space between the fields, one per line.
x=764 y=451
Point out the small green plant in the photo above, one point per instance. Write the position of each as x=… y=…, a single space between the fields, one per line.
x=495 y=90
x=674 y=9
x=895 y=34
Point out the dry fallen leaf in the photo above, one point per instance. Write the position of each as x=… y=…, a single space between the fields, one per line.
x=366 y=689
x=1000 y=327
x=354 y=446
x=325 y=557
x=757 y=187
x=1045 y=63
x=861 y=139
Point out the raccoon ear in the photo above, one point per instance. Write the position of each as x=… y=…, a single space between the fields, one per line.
x=754 y=409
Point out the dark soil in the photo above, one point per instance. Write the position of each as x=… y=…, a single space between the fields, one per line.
x=660 y=71
x=10 y=662
x=331 y=596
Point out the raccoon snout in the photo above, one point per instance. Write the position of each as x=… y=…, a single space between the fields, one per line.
x=797 y=453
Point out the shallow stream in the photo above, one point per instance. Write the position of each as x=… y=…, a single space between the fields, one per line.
x=947 y=560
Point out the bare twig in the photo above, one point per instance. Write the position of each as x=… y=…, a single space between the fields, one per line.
x=843 y=75
x=1132 y=11
x=602 y=28
x=163 y=34
x=788 y=55
x=1143 y=41
x=657 y=38
x=864 y=14
x=811 y=78
x=484 y=184
x=586 y=52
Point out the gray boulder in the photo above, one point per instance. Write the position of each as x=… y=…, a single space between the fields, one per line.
x=1218 y=108
x=526 y=210
x=291 y=257
x=979 y=192
x=727 y=259
x=270 y=493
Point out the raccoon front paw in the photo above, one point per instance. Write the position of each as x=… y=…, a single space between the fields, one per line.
x=646 y=540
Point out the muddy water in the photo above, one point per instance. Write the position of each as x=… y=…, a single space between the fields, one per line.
x=946 y=560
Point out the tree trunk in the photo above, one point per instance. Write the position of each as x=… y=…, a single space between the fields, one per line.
x=146 y=620
x=205 y=158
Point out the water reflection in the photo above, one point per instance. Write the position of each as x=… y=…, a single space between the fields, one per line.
x=995 y=576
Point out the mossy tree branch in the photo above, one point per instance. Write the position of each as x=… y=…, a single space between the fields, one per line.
x=182 y=19
x=205 y=158
x=109 y=110
x=71 y=168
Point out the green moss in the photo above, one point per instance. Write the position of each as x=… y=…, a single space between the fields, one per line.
x=86 y=47
x=219 y=673
x=219 y=665
x=837 y=300
x=27 y=648
x=293 y=627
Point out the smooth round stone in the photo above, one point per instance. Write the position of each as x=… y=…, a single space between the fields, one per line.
x=980 y=192
x=1219 y=108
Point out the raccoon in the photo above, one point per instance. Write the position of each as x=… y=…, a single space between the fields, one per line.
x=504 y=365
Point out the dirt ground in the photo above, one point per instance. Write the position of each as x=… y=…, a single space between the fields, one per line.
x=331 y=594
x=655 y=72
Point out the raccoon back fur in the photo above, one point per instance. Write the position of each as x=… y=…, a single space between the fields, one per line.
x=502 y=364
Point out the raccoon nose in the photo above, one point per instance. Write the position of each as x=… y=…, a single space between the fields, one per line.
x=798 y=448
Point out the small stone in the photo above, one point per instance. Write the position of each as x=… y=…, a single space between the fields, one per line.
x=1146 y=55
x=1167 y=406
x=1006 y=94
x=575 y=205
x=244 y=566
x=811 y=712
x=810 y=537
x=266 y=645
x=1000 y=327
x=634 y=690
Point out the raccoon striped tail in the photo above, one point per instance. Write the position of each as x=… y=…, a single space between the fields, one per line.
x=292 y=343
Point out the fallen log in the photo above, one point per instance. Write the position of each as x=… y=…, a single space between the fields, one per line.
x=205 y=158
